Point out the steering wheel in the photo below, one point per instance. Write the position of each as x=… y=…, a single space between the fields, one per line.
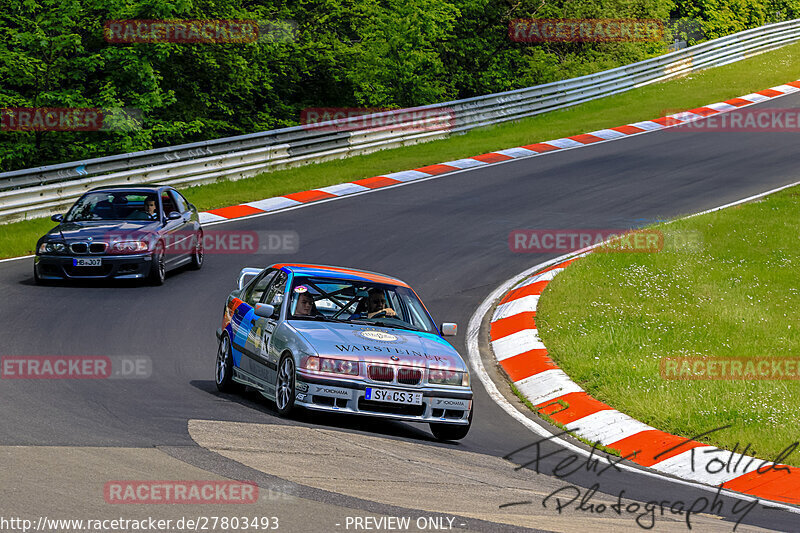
x=380 y=314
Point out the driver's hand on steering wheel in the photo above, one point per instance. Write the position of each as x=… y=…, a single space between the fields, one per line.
x=388 y=311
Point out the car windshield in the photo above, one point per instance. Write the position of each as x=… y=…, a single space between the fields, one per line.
x=114 y=205
x=358 y=302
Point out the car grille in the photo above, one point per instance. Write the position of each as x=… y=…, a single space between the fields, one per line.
x=390 y=408
x=92 y=248
x=409 y=376
x=380 y=373
x=449 y=413
x=87 y=272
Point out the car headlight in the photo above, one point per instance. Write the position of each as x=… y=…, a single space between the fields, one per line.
x=52 y=248
x=130 y=246
x=331 y=366
x=447 y=377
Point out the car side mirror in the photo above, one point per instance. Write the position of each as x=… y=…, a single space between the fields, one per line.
x=174 y=215
x=449 y=329
x=246 y=275
x=57 y=218
x=265 y=310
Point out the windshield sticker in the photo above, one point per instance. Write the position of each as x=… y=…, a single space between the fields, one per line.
x=301 y=289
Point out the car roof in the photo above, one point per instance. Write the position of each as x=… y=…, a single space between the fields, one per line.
x=132 y=188
x=306 y=269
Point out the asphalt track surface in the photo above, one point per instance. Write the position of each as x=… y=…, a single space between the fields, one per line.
x=447 y=237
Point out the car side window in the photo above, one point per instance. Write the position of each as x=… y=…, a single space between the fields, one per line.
x=255 y=290
x=179 y=203
x=166 y=201
x=274 y=295
x=183 y=199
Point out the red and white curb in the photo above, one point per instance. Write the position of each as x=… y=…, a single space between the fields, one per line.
x=519 y=351
x=530 y=150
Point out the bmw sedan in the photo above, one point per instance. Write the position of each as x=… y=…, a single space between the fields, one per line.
x=342 y=340
x=123 y=233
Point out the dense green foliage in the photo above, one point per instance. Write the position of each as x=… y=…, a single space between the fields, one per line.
x=389 y=53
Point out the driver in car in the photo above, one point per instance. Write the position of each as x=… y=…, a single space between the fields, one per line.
x=150 y=209
x=376 y=304
x=149 y=213
x=305 y=305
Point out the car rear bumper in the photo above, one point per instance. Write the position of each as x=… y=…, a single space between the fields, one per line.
x=133 y=266
x=348 y=396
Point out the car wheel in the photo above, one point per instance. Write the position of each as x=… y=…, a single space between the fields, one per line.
x=284 y=388
x=223 y=371
x=451 y=431
x=197 y=253
x=158 y=268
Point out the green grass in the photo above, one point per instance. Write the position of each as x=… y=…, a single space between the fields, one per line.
x=610 y=318
x=648 y=102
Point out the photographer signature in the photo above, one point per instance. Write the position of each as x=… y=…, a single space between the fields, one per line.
x=571 y=496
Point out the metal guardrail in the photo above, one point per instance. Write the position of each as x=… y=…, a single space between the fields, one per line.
x=36 y=192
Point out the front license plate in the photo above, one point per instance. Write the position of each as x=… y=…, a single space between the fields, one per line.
x=85 y=262
x=393 y=396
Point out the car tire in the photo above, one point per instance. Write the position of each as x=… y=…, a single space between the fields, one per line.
x=284 y=386
x=223 y=369
x=451 y=431
x=158 y=267
x=197 y=253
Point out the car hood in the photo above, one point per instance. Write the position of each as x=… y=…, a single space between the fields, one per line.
x=104 y=230
x=379 y=344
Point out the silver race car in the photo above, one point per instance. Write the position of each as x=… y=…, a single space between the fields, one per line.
x=342 y=340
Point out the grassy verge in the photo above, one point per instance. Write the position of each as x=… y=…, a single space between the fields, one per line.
x=648 y=102
x=610 y=319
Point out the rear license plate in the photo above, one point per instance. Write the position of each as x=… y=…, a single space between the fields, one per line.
x=393 y=396
x=85 y=262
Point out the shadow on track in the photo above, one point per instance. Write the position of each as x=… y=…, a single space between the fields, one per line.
x=252 y=399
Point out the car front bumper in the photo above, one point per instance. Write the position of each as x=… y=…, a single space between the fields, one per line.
x=131 y=266
x=348 y=396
